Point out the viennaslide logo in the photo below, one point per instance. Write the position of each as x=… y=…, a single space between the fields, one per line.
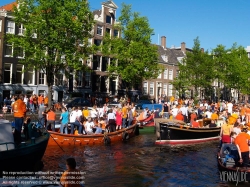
x=233 y=176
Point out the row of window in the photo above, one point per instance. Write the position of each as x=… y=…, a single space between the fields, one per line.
x=100 y=31
x=17 y=77
x=167 y=74
x=149 y=88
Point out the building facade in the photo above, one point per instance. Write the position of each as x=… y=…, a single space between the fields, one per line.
x=14 y=80
x=162 y=87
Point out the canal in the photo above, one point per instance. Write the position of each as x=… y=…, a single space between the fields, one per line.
x=140 y=163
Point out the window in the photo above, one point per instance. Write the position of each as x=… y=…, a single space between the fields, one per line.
x=21 y=30
x=116 y=32
x=7 y=73
x=30 y=76
x=170 y=92
x=78 y=78
x=99 y=30
x=41 y=92
x=159 y=76
x=165 y=88
x=177 y=73
x=151 y=88
x=8 y=50
x=108 y=19
x=19 y=52
x=19 y=74
x=10 y=27
x=165 y=58
x=97 y=42
x=170 y=74
x=145 y=88
x=1 y=25
x=108 y=31
x=41 y=77
x=87 y=79
x=165 y=74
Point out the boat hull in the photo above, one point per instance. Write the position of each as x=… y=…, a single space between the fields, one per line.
x=95 y=139
x=174 y=132
x=26 y=157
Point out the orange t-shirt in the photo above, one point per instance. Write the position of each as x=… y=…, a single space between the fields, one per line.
x=193 y=117
x=241 y=141
x=124 y=112
x=195 y=124
x=19 y=108
x=214 y=116
x=247 y=110
x=51 y=116
x=46 y=100
x=179 y=117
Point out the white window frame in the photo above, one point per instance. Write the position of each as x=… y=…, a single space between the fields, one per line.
x=41 y=77
x=99 y=27
x=1 y=21
x=22 y=74
x=21 y=30
x=159 y=76
x=165 y=58
x=145 y=85
x=170 y=74
x=117 y=32
x=8 y=46
x=10 y=29
x=33 y=76
x=87 y=80
x=165 y=88
x=151 y=88
x=21 y=52
x=11 y=66
x=170 y=90
x=165 y=74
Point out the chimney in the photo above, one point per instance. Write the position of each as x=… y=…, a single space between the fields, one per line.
x=163 y=42
x=183 y=47
x=202 y=50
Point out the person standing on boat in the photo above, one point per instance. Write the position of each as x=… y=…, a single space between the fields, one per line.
x=227 y=128
x=19 y=110
x=111 y=121
x=64 y=121
x=241 y=142
x=124 y=115
x=72 y=176
x=166 y=110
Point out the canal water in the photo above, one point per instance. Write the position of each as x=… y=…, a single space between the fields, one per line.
x=140 y=163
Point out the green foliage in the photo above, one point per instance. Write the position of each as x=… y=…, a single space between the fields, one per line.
x=135 y=58
x=56 y=35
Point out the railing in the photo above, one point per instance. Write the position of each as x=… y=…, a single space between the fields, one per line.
x=6 y=143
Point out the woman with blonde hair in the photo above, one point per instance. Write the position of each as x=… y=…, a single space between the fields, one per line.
x=118 y=119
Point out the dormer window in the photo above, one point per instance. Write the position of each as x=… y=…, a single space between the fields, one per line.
x=99 y=30
x=165 y=58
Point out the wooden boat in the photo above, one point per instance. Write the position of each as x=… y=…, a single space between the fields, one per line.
x=229 y=165
x=175 y=132
x=24 y=157
x=70 y=139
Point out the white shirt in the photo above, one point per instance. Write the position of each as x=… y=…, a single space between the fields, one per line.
x=111 y=115
x=89 y=126
x=94 y=113
x=73 y=116
x=175 y=111
x=208 y=114
x=237 y=130
x=230 y=108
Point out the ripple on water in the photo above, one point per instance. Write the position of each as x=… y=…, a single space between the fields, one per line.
x=140 y=163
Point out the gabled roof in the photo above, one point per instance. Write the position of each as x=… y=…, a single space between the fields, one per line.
x=172 y=55
x=110 y=4
x=8 y=7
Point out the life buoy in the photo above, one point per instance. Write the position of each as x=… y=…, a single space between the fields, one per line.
x=125 y=136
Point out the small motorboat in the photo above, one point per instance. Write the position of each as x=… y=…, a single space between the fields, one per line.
x=175 y=132
x=26 y=156
x=230 y=167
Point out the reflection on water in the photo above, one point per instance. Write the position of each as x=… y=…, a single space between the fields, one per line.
x=140 y=163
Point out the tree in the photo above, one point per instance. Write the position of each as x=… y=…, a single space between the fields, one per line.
x=55 y=38
x=135 y=58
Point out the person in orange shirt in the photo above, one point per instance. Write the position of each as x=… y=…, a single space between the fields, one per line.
x=241 y=142
x=72 y=176
x=179 y=116
x=193 y=117
x=40 y=100
x=214 y=116
x=124 y=115
x=19 y=110
x=51 y=119
x=46 y=100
